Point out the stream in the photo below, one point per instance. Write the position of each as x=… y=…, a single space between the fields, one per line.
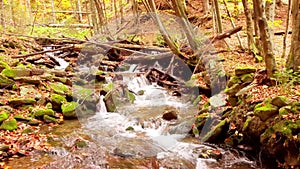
x=135 y=136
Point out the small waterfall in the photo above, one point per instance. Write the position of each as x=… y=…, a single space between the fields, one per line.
x=101 y=107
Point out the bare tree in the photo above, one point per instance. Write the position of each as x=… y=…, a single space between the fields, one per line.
x=249 y=23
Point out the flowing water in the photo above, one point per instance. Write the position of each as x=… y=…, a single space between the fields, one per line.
x=152 y=142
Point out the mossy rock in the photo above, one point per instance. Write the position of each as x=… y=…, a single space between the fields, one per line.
x=80 y=143
x=285 y=110
x=34 y=123
x=21 y=118
x=30 y=91
x=265 y=110
x=28 y=130
x=4 y=148
x=215 y=131
x=246 y=123
x=280 y=101
x=233 y=100
x=296 y=107
x=10 y=125
x=3 y=116
x=60 y=88
x=5 y=82
x=49 y=105
x=129 y=128
x=247 y=78
x=16 y=72
x=68 y=109
x=42 y=112
x=233 y=80
x=109 y=102
x=233 y=89
x=244 y=70
x=3 y=65
x=58 y=99
x=21 y=101
x=49 y=119
x=34 y=80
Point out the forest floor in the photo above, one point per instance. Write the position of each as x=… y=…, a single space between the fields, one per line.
x=22 y=141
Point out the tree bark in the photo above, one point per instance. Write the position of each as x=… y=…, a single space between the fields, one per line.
x=265 y=40
x=293 y=61
x=249 y=23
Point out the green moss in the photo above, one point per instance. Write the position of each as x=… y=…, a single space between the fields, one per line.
x=49 y=105
x=246 y=124
x=19 y=117
x=33 y=123
x=59 y=99
x=49 y=119
x=68 y=109
x=9 y=125
x=265 y=111
x=21 y=101
x=244 y=70
x=80 y=143
x=233 y=80
x=215 y=131
x=109 y=87
x=28 y=130
x=247 y=78
x=3 y=116
x=59 y=88
x=5 y=82
x=130 y=128
x=42 y=112
x=4 y=65
x=279 y=101
x=8 y=72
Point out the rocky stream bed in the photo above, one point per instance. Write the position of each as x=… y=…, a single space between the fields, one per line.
x=52 y=112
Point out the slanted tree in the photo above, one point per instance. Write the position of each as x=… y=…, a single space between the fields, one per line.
x=293 y=61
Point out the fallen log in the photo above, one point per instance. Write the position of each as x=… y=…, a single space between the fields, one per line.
x=43 y=52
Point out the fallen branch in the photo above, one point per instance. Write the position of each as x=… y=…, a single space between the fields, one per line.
x=42 y=52
x=226 y=34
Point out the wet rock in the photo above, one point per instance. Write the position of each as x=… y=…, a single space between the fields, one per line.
x=279 y=101
x=49 y=119
x=215 y=131
x=244 y=70
x=170 y=115
x=16 y=72
x=5 y=82
x=41 y=112
x=68 y=109
x=109 y=102
x=265 y=111
x=80 y=143
x=60 y=88
x=247 y=78
x=211 y=153
x=3 y=116
x=10 y=124
x=57 y=100
x=21 y=101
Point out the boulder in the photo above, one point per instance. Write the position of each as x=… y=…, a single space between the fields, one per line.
x=10 y=124
x=265 y=111
x=30 y=91
x=68 y=109
x=233 y=80
x=215 y=131
x=244 y=70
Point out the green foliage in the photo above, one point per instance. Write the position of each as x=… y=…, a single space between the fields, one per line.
x=287 y=78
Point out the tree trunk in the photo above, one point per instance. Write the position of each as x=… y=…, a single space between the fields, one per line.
x=265 y=40
x=286 y=28
x=293 y=61
x=249 y=23
x=218 y=16
x=206 y=7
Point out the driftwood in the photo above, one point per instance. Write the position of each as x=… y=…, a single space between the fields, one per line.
x=42 y=52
